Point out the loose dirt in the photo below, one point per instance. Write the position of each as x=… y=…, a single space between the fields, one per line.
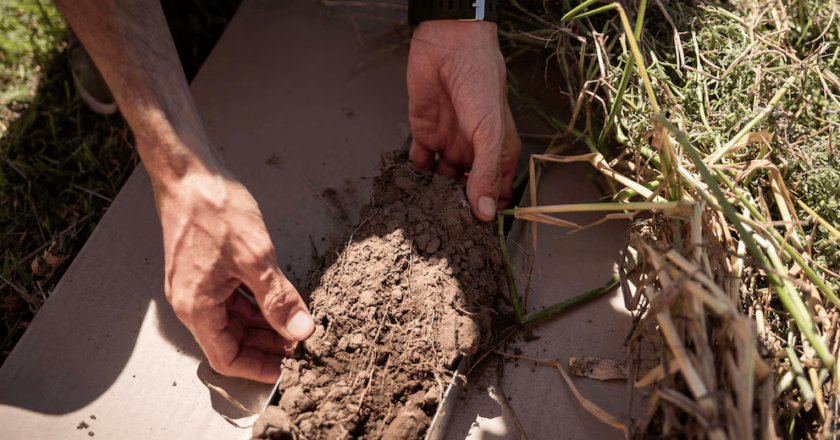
x=417 y=285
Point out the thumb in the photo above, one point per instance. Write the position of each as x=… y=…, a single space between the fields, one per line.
x=484 y=181
x=282 y=305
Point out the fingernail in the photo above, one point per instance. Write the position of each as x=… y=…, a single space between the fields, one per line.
x=487 y=206
x=300 y=326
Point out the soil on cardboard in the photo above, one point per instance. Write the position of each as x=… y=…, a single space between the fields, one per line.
x=419 y=283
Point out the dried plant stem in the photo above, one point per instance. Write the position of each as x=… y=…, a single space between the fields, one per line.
x=801 y=380
x=593 y=409
x=790 y=299
x=675 y=343
x=560 y=307
x=591 y=207
x=780 y=241
x=631 y=39
x=597 y=161
x=750 y=126
x=637 y=54
x=834 y=232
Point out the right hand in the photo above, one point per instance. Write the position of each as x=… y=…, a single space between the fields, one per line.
x=215 y=241
x=458 y=109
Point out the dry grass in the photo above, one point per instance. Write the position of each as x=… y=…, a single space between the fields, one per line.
x=725 y=119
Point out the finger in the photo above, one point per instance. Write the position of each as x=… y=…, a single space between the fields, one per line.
x=202 y=308
x=261 y=339
x=511 y=149
x=222 y=348
x=448 y=169
x=246 y=312
x=269 y=342
x=484 y=181
x=254 y=364
x=276 y=297
x=229 y=356
x=281 y=304
x=422 y=157
x=205 y=313
x=506 y=191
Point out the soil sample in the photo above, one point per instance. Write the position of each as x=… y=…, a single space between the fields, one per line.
x=417 y=286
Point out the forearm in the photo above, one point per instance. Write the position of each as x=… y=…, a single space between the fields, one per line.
x=131 y=45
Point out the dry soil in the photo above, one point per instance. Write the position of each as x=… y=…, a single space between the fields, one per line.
x=416 y=286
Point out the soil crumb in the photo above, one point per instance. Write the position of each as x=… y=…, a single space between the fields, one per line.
x=416 y=287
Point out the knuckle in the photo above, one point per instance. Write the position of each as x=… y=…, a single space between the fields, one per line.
x=263 y=252
x=184 y=308
x=259 y=255
x=267 y=252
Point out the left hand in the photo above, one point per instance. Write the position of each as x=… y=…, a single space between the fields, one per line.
x=458 y=108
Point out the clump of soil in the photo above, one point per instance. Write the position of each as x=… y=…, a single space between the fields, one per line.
x=417 y=286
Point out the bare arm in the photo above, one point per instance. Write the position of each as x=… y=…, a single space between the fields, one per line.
x=132 y=47
x=214 y=236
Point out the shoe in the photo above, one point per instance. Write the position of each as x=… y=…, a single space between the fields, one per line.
x=92 y=87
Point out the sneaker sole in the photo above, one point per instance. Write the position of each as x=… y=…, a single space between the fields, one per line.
x=94 y=104
x=97 y=106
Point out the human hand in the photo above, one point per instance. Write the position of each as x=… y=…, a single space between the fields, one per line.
x=215 y=240
x=458 y=108
x=214 y=236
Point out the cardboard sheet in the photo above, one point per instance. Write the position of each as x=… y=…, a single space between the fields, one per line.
x=296 y=121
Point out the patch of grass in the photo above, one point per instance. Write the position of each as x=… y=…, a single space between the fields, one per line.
x=61 y=165
x=30 y=31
